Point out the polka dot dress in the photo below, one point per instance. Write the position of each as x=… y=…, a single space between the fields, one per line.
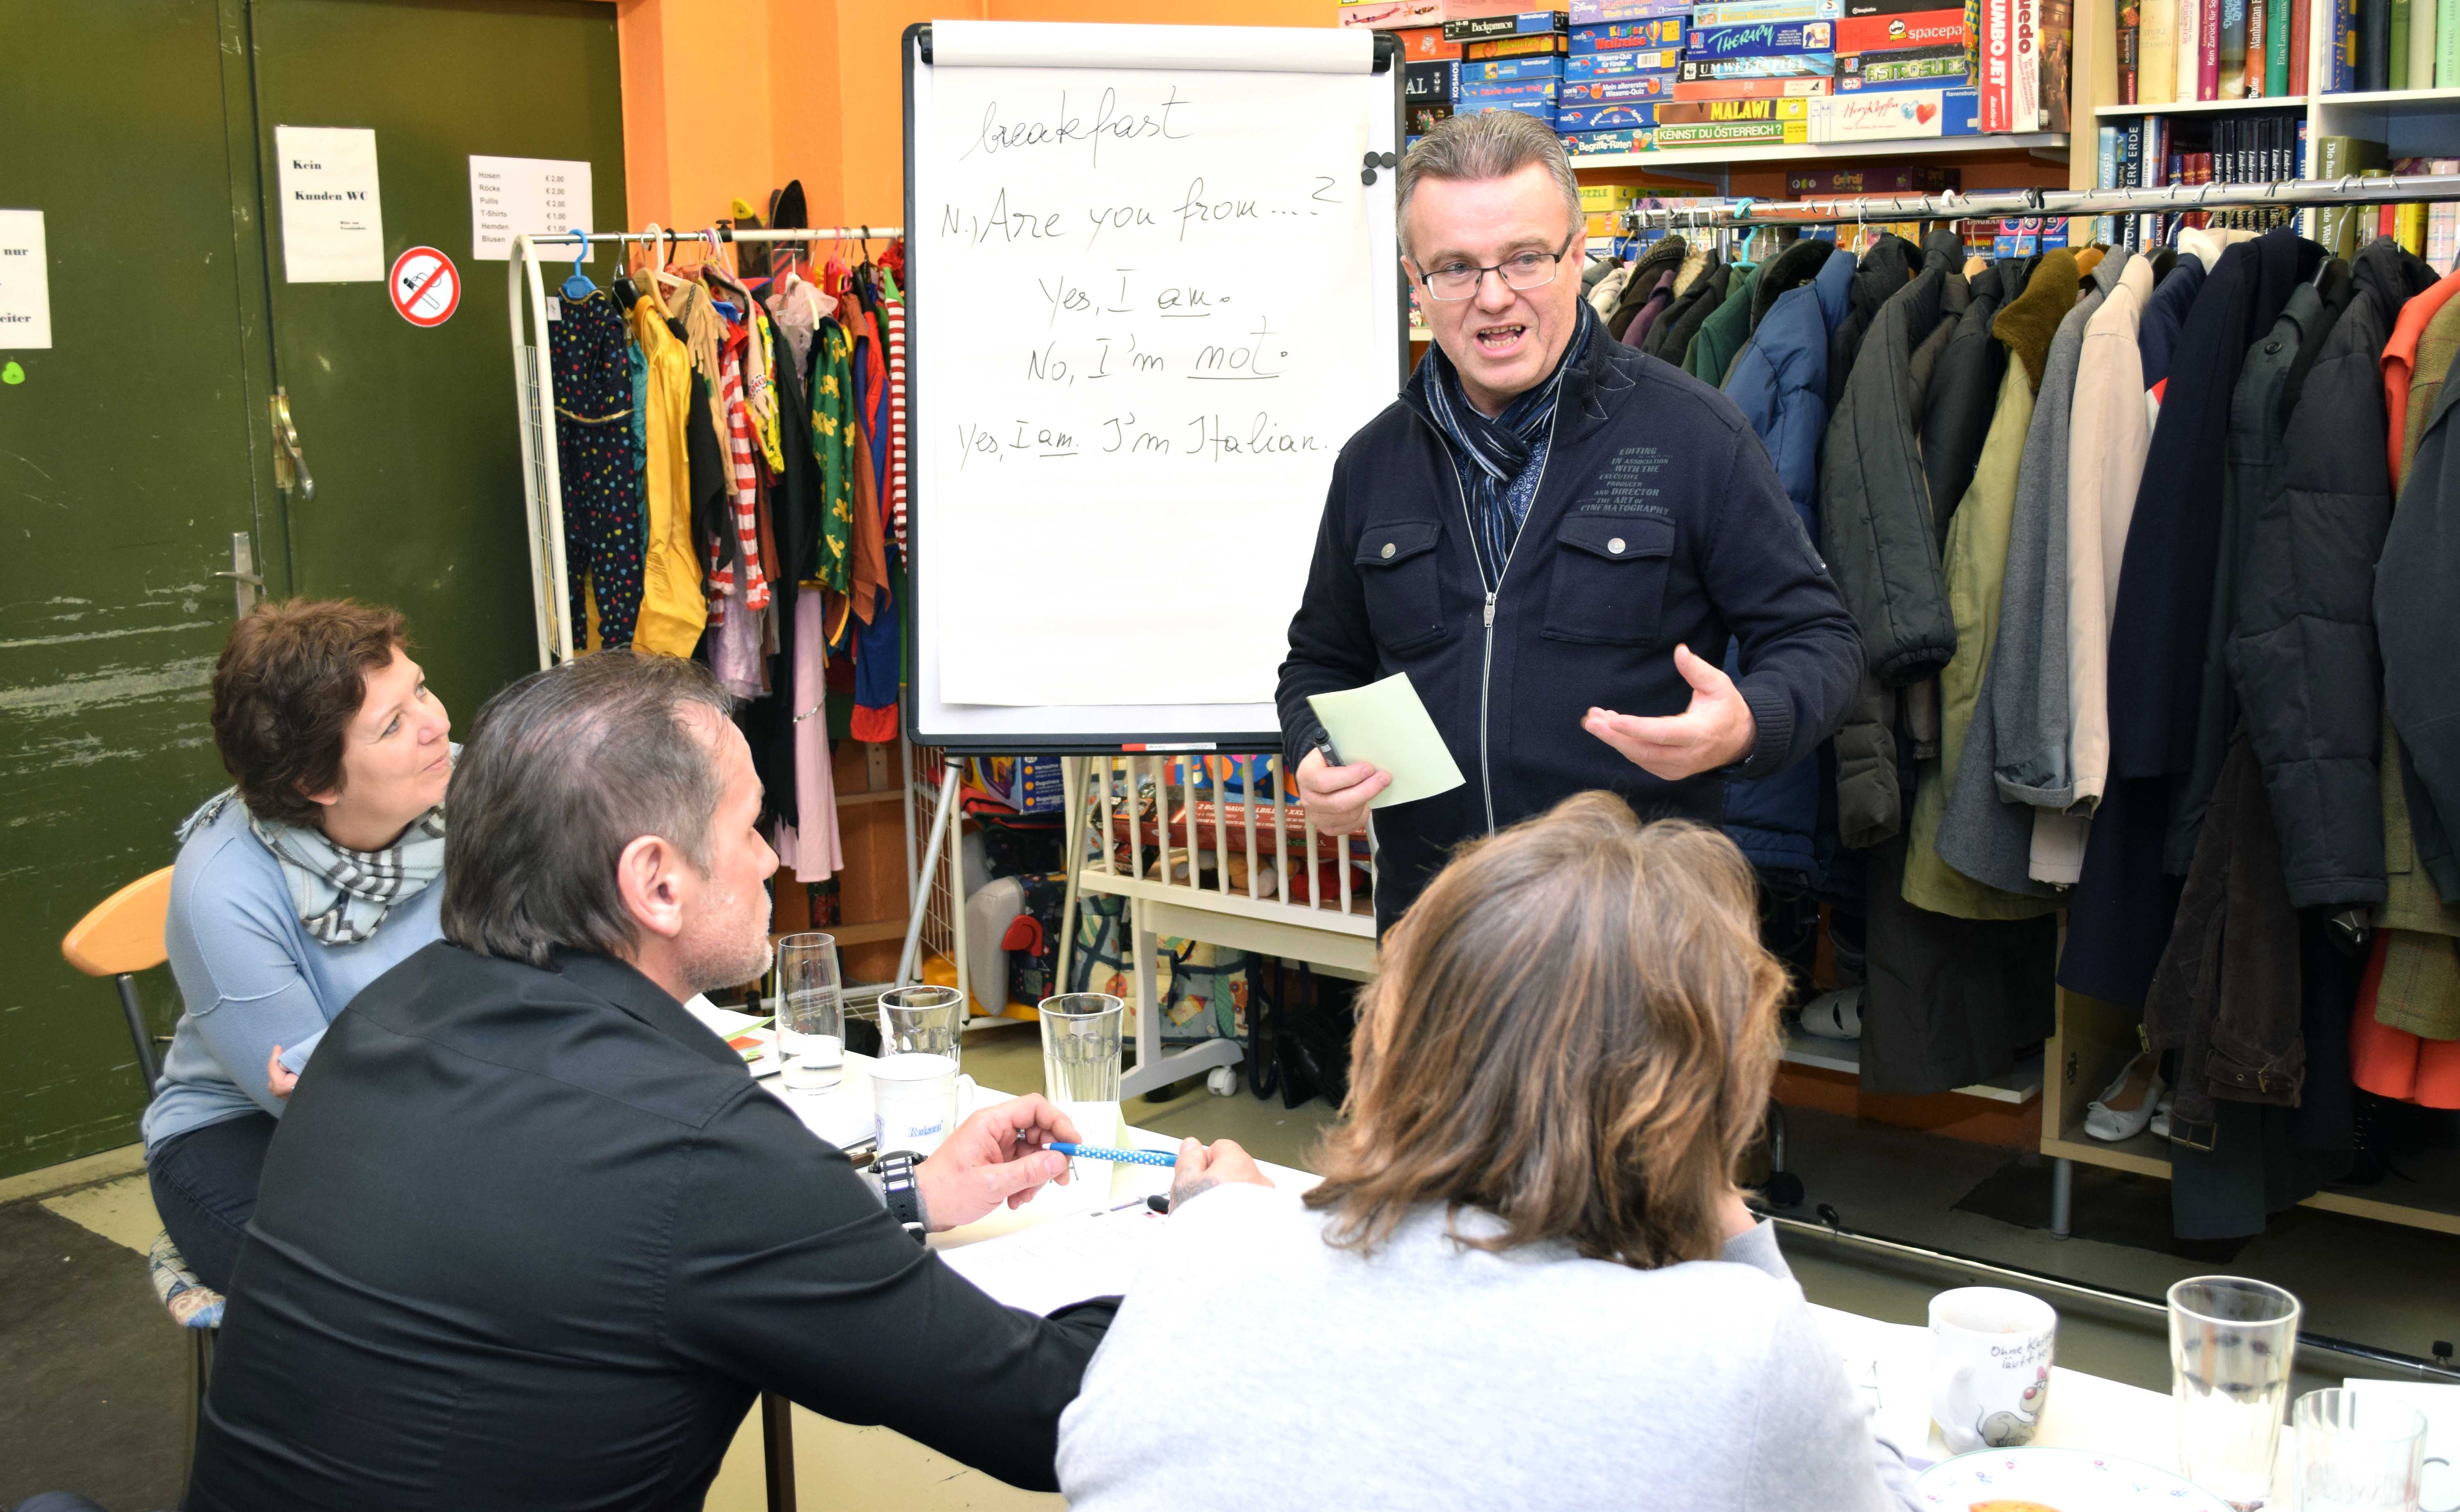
x=602 y=517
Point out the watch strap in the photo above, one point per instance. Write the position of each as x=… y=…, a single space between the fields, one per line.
x=899 y=1191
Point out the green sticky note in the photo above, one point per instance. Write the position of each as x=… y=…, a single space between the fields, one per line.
x=1386 y=724
x=13 y=373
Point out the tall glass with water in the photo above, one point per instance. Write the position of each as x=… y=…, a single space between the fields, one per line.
x=2232 y=1343
x=810 y=1013
x=922 y=1021
x=1081 y=1042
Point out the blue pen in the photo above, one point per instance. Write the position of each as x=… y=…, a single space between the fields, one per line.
x=1089 y=1152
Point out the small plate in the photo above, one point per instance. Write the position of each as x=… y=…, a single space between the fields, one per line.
x=2067 y=1480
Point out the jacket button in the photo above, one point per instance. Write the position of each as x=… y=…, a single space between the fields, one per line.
x=1387 y=548
x=1615 y=545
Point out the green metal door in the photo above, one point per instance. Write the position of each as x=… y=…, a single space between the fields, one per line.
x=134 y=448
x=411 y=433
x=129 y=457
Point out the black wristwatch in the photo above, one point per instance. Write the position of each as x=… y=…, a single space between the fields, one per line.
x=898 y=1189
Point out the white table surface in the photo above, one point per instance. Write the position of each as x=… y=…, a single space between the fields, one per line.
x=1890 y=1361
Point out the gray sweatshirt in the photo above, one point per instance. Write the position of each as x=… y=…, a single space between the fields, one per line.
x=1253 y=1366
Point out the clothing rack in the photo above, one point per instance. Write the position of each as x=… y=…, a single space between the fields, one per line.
x=534 y=393
x=2090 y=1043
x=2278 y=194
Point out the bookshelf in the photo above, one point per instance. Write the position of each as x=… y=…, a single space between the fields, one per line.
x=2408 y=123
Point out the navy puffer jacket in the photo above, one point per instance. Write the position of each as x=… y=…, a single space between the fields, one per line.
x=1780 y=383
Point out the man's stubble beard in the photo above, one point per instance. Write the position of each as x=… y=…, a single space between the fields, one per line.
x=728 y=955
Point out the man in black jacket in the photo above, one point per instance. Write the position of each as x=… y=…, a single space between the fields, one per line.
x=1546 y=528
x=531 y=1238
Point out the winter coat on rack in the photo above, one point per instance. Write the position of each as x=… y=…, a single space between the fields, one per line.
x=2416 y=619
x=1963 y=392
x=1672 y=339
x=2225 y=995
x=1877 y=533
x=2125 y=902
x=1885 y=270
x=1780 y=383
x=2109 y=429
x=1651 y=311
x=1723 y=333
x=2166 y=316
x=2301 y=656
x=2165 y=591
x=2015 y=761
x=1657 y=260
x=1975 y=560
x=2257 y=449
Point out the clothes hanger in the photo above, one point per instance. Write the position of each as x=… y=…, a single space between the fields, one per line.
x=576 y=288
x=627 y=294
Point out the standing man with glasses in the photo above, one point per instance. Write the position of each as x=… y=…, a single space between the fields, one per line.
x=1555 y=536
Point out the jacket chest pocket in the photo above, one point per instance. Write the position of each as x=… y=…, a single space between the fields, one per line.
x=1396 y=572
x=1609 y=586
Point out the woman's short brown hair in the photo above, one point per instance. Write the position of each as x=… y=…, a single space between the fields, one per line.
x=285 y=692
x=1574 y=1029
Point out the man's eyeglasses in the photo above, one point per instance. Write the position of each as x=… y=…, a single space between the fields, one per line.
x=1522 y=270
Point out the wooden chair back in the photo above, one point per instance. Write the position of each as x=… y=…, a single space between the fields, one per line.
x=123 y=933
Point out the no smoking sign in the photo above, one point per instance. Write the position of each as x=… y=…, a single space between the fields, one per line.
x=425 y=287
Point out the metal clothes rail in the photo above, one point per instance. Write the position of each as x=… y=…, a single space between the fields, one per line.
x=1842 y=210
x=534 y=393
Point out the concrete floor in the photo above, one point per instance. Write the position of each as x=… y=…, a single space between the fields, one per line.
x=99 y=1369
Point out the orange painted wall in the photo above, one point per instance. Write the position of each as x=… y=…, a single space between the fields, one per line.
x=727 y=98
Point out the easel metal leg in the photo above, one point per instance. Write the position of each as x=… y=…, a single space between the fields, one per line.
x=942 y=817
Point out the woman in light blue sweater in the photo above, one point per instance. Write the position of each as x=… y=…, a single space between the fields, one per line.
x=294 y=888
x=1527 y=1280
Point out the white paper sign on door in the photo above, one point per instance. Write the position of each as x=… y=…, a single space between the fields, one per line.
x=509 y=195
x=25 y=281
x=332 y=217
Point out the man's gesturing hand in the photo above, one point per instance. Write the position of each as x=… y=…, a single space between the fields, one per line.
x=1336 y=796
x=997 y=1156
x=1715 y=731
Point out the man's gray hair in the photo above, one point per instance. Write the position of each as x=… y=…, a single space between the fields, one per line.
x=563 y=769
x=1490 y=144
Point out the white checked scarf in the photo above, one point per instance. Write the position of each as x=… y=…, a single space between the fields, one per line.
x=341 y=894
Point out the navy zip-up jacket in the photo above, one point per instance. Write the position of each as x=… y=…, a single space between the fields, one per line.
x=1659 y=518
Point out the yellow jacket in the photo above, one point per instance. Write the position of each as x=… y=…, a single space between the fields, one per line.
x=673 y=608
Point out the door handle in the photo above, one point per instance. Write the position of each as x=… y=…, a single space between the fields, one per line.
x=245 y=581
x=290 y=463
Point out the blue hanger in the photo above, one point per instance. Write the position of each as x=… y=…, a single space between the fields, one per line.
x=576 y=286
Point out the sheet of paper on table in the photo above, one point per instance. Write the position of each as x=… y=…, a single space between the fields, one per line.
x=1048 y=1265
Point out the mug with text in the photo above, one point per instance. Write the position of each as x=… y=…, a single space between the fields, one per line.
x=917 y=1101
x=1991 y=1355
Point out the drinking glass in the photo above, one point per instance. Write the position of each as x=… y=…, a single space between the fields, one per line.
x=2231 y=1341
x=922 y=1021
x=1080 y=1047
x=810 y=1013
x=2359 y=1453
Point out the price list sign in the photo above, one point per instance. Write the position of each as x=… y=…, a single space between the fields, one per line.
x=509 y=195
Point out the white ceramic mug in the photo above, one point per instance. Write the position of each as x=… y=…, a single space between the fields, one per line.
x=1991 y=1355
x=917 y=1101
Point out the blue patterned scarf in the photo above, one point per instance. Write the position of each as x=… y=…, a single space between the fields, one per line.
x=1500 y=459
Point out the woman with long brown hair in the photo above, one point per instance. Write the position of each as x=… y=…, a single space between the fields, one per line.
x=1527 y=1278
